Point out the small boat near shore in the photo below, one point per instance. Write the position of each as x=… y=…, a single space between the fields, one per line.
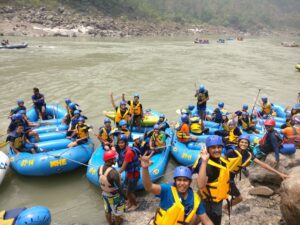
x=14 y=46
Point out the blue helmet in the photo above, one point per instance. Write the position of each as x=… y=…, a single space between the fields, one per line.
x=201 y=88
x=68 y=101
x=20 y=101
x=76 y=112
x=156 y=127
x=264 y=99
x=244 y=137
x=221 y=104
x=72 y=105
x=81 y=119
x=123 y=137
x=106 y=120
x=136 y=95
x=17 y=116
x=22 y=111
x=162 y=116
x=182 y=171
x=122 y=123
x=297 y=106
x=122 y=103
x=214 y=140
x=184 y=118
x=191 y=107
x=245 y=107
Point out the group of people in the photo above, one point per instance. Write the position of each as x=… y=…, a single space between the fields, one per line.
x=4 y=42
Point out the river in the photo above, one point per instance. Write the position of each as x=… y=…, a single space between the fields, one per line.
x=164 y=72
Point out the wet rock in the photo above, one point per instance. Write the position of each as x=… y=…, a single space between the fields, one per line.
x=290 y=198
x=59 y=34
x=61 y=9
x=261 y=191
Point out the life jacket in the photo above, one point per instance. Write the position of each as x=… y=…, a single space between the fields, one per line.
x=4 y=221
x=175 y=215
x=245 y=122
x=262 y=141
x=232 y=137
x=155 y=140
x=82 y=132
x=17 y=109
x=126 y=132
x=74 y=122
x=135 y=164
x=295 y=139
x=182 y=136
x=266 y=108
x=135 y=109
x=196 y=128
x=105 y=134
x=105 y=185
x=236 y=164
x=217 y=190
x=225 y=127
x=224 y=111
x=120 y=117
x=19 y=141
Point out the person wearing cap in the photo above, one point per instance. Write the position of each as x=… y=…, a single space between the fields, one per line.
x=73 y=123
x=105 y=137
x=266 y=107
x=245 y=108
x=292 y=133
x=221 y=107
x=240 y=159
x=213 y=178
x=136 y=110
x=183 y=130
x=123 y=128
x=157 y=142
x=20 y=106
x=179 y=204
x=128 y=161
x=122 y=112
x=72 y=107
x=39 y=103
x=81 y=132
x=67 y=101
x=162 y=122
x=19 y=142
x=112 y=193
x=202 y=98
x=271 y=141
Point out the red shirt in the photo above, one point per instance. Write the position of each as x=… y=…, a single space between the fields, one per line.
x=129 y=157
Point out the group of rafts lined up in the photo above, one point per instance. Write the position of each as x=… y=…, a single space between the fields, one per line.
x=55 y=152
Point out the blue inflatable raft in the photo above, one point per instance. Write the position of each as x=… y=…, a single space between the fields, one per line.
x=53 y=156
x=156 y=170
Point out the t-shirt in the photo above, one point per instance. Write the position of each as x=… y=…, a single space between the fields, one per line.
x=40 y=101
x=200 y=96
x=167 y=200
x=129 y=157
x=289 y=131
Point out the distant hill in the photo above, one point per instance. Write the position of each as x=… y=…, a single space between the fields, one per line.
x=239 y=14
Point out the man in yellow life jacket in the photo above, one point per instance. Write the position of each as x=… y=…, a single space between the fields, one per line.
x=246 y=123
x=105 y=137
x=122 y=112
x=213 y=178
x=157 y=141
x=266 y=108
x=123 y=128
x=239 y=159
x=179 y=204
x=231 y=139
x=82 y=133
x=135 y=110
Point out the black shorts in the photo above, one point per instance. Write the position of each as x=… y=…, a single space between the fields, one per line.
x=234 y=191
x=82 y=141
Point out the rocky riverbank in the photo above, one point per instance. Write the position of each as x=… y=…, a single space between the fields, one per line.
x=37 y=22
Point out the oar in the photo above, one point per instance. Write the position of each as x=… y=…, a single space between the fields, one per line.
x=255 y=102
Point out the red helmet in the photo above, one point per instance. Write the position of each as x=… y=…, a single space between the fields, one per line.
x=111 y=154
x=270 y=122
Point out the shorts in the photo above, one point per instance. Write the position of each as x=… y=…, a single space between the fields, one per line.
x=130 y=184
x=234 y=191
x=82 y=141
x=114 y=204
x=214 y=211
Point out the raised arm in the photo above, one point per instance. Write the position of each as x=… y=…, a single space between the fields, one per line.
x=271 y=169
x=202 y=177
x=112 y=100
x=123 y=97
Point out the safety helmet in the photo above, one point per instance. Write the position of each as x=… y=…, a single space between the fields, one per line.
x=123 y=137
x=201 y=88
x=296 y=120
x=106 y=120
x=245 y=107
x=22 y=111
x=191 y=107
x=136 y=95
x=122 y=123
x=270 y=122
x=122 y=103
x=244 y=137
x=81 y=119
x=184 y=118
x=76 y=112
x=297 y=106
x=213 y=140
x=20 y=101
x=156 y=127
x=221 y=104
x=68 y=101
x=182 y=171
x=17 y=116
x=162 y=116
x=137 y=137
x=72 y=105
x=108 y=155
x=264 y=99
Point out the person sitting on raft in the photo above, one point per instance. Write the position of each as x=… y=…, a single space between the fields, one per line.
x=196 y=125
x=28 y=126
x=135 y=110
x=246 y=123
x=81 y=132
x=38 y=100
x=295 y=110
x=202 y=98
x=17 y=140
x=162 y=123
x=70 y=113
x=140 y=144
x=105 y=137
x=157 y=141
x=179 y=204
x=231 y=139
x=73 y=123
x=292 y=134
x=20 y=106
x=288 y=121
x=240 y=159
x=266 y=108
x=123 y=128
x=222 y=109
x=122 y=112
x=183 y=130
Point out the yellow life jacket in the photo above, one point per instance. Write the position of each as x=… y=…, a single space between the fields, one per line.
x=224 y=111
x=232 y=137
x=5 y=222
x=157 y=140
x=119 y=116
x=245 y=124
x=175 y=214
x=19 y=142
x=135 y=109
x=196 y=128
x=225 y=127
x=217 y=190
x=236 y=164
x=266 y=108
x=126 y=132
x=104 y=135
x=82 y=132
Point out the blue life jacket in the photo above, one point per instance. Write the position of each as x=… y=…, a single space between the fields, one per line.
x=135 y=164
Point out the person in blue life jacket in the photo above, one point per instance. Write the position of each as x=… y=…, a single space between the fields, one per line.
x=202 y=98
x=105 y=136
x=128 y=161
x=19 y=142
x=39 y=103
x=179 y=204
x=20 y=106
